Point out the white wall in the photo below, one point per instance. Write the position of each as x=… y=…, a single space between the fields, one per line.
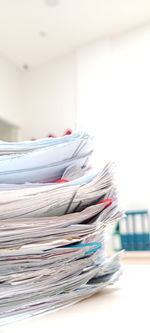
x=49 y=98
x=40 y=101
x=10 y=104
x=113 y=101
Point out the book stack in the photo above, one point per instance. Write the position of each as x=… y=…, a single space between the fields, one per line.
x=53 y=217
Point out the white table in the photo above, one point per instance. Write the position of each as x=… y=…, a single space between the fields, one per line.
x=124 y=307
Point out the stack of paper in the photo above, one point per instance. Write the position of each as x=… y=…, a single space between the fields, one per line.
x=44 y=159
x=52 y=235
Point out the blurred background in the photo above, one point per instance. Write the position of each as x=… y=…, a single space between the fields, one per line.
x=67 y=64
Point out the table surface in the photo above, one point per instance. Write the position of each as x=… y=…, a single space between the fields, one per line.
x=123 y=307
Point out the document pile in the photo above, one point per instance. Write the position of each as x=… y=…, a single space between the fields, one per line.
x=53 y=216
